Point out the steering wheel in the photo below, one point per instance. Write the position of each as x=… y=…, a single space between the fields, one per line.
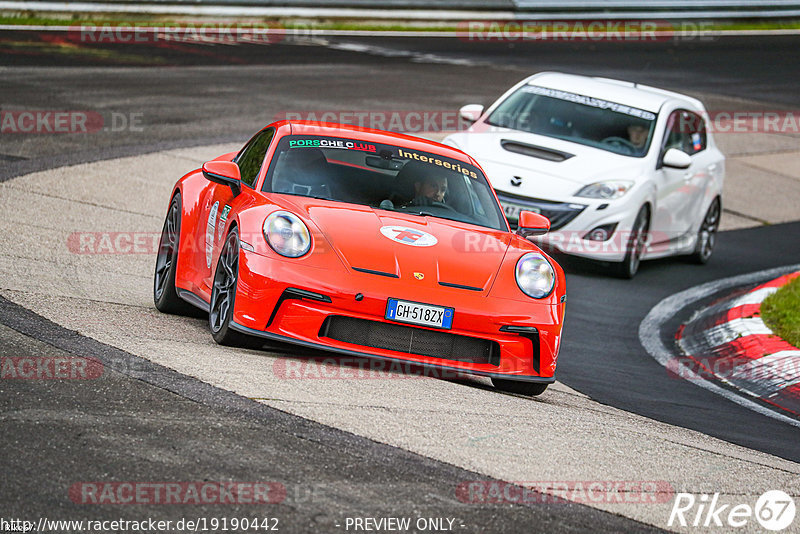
x=620 y=142
x=435 y=204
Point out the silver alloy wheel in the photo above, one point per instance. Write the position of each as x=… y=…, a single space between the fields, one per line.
x=707 y=237
x=166 y=250
x=224 y=289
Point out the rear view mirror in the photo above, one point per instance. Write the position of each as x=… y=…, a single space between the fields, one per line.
x=677 y=159
x=532 y=224
x=378 y=162
x=471 y=112
x=223 y=173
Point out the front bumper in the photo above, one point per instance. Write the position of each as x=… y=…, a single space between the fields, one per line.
x=523 y=336
x=572 y=221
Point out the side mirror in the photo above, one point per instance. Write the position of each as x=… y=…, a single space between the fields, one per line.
x=677 y=159
x=471 y=112
x=223 y=173
x=532 y=224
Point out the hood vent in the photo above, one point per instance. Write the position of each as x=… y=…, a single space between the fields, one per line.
x=534 y=151
x=460 y=286
x=373 y=271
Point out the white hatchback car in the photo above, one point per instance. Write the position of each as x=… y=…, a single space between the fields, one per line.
x=623 y=171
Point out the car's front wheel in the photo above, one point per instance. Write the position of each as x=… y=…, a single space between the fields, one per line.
x=223 y=293
x=707 y=235
x=529 y=389
x=637 y=240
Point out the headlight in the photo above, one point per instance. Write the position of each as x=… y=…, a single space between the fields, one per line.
x=608 y=190
x=287 y=234
x=535 y=275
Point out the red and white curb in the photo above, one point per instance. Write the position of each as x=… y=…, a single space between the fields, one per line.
x=659 y=343
x=728 y=342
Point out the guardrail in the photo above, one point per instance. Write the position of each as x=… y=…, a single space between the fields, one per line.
x=440 y=10
x=669 y=9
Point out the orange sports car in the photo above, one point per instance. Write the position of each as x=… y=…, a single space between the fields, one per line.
x=364 y=243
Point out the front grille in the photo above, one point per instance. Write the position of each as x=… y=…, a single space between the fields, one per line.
x=559 y=213
x=411 y=340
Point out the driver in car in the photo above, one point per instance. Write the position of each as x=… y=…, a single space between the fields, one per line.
x=637 y=134
x=430 y=189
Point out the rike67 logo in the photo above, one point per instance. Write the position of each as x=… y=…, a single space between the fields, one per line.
x=774 y=510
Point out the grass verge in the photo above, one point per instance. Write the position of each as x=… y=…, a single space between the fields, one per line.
x=781 y=312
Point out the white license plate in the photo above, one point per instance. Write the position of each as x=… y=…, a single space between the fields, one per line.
x=404 y=311
x=512 y=210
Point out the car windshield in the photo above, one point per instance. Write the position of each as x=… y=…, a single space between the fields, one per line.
x=577 y=118
x=384 y=177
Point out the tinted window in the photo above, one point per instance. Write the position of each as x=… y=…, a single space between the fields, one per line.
x=252 y=156
x=686 y=131
x=590 y=121
x=385 y=177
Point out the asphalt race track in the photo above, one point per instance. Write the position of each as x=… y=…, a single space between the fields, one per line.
x=147 y=422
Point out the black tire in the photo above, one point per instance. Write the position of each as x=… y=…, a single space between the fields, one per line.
x=529 y=389
x=707 y=235
x=629 y=266
x=223 y=294
x=164 y=294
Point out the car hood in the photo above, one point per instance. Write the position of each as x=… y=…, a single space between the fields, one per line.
x=538 y=177
x=463 y=254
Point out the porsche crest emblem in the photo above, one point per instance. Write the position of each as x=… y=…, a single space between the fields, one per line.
x=419 y=276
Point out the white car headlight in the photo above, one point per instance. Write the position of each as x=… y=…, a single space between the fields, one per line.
x=535 y=275
x=608 y=190
x=287 y=234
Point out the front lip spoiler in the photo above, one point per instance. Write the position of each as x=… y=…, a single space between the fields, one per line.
x=285 y=339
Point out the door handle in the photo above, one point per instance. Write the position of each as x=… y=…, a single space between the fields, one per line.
x=688 y=176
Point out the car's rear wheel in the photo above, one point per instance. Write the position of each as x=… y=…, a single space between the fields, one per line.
x=707 y=235
x=165 y=295
x=629 y=266
x=529 y=389
x=223 y=293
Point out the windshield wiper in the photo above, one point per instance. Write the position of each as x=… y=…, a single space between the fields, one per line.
x=424 y=214
x=466 y=219
x=405 y=210
x=317 y=197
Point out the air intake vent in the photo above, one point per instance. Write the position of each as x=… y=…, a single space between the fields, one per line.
x=411 y=340
x=535 y=151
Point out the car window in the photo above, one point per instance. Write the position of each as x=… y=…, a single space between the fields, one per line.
x=686 y=131
x=590 y=121
x=252 y=156
x=386 y=177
